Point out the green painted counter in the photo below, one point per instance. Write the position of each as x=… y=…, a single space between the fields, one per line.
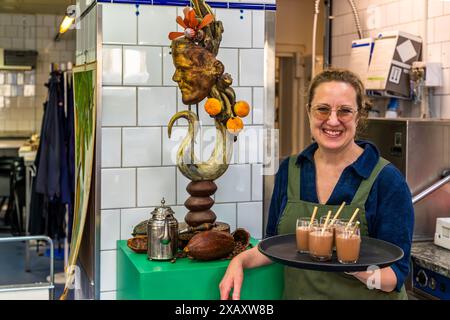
x=186 y=279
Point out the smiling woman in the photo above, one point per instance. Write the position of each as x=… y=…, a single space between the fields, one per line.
x=336 y=169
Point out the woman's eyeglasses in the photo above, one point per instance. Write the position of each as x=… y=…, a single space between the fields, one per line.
x=323 y=112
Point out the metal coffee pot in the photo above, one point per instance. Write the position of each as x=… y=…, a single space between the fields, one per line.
x=162 y=231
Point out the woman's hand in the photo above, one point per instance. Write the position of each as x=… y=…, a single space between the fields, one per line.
x=381 y=279
x=233 y=278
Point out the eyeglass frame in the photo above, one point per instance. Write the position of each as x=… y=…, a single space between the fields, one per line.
x=354 y=112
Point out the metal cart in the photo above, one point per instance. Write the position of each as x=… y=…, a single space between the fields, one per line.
x=30 y=291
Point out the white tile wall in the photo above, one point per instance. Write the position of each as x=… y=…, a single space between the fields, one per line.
x=108 y=266
x=111 y=147
x=156 y=105
x=118 y=188
x=250 y=71
x=155 y=184
x=140 y=97
x=250 y=218
x=110 y=229
x=119 y=24
x=234 y=185
x=112 y=65
x=258 y=105
x=108 y=295
x=229 y=58
x=20 y=31
x=142 y=66
x=170 y=146
x=226 y=212
x=141 y=147
x=155 y=23
x=129 y=218
x=168 y=68
x=119 y=106
x=236 y=22
x=258 y=29
x=182 y=183
x=257 y=182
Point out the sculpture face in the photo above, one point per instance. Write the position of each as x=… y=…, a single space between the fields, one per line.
x=196 y=70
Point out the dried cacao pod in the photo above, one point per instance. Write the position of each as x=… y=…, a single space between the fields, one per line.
x=241 y=236
x=210 y=245
x=138 y=244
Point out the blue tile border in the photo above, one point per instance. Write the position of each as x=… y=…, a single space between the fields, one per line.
x=248 y=6
x=222 y=5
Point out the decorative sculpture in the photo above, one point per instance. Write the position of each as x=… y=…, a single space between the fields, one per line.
x=199 y=75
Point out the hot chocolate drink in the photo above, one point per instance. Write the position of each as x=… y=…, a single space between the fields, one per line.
x=321 y=244
x=302 y=239
x=347 y=246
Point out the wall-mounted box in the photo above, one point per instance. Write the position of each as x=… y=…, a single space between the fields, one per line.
x=393 y=55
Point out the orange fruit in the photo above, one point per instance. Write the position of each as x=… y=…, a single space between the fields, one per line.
x=213 y=106
x=234 y=125
x=241 y=109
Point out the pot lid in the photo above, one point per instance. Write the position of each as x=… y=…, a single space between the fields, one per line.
x=162 y=212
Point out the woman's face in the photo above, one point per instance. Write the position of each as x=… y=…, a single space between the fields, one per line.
x=337 y=131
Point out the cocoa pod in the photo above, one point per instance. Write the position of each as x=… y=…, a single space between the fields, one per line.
x=242 y=237
x=210 y=245
x=138 y=244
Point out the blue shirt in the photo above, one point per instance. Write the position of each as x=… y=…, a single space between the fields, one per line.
x=389 y=209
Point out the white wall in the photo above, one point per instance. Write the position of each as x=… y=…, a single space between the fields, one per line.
x=138 y=168
x=31 y=32
x=429 y=19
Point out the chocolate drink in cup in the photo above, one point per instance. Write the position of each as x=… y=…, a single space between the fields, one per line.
x=302 y=234
x=332 y=227
x=348 y=244
x=321 y=243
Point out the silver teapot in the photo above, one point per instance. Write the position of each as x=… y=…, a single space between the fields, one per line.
x=162 y=231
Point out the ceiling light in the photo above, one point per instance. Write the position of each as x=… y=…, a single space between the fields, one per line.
x=65 y=24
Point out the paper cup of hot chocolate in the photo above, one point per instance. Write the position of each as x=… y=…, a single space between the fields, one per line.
x=302 y=233
x=321 y=243
x=348 y=244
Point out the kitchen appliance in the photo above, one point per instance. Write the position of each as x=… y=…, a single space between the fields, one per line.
x=428 y=284
x=442 y=235
x=162 y=230
x=419 y=148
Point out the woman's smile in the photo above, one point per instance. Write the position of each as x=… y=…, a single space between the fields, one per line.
x=332 y=133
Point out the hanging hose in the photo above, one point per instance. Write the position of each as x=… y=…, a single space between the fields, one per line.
x=356 y=17
x=313 y=54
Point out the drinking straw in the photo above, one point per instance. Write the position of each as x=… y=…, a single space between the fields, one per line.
x=326 y=222
x=337 y=213
x=313 y=216
x=354 y=229
x=352 y=218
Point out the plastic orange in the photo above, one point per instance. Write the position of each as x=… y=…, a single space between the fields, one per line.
x=234 y=125
x=213 y=106
x=241 y=109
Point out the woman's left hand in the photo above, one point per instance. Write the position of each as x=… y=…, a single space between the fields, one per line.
x=375 y=278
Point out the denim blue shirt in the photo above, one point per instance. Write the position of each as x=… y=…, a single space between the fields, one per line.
x=389 y=209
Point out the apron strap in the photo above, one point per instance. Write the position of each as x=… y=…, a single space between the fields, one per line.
x=363 y=191
x=293 y=190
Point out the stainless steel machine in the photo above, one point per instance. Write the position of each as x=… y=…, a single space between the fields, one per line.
x=420 y=149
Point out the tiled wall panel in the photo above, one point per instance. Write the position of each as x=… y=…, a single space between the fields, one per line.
x=21 y=102
x=428 y=19
x=139 y=98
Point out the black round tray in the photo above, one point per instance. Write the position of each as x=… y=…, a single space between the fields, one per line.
x=373 y=252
